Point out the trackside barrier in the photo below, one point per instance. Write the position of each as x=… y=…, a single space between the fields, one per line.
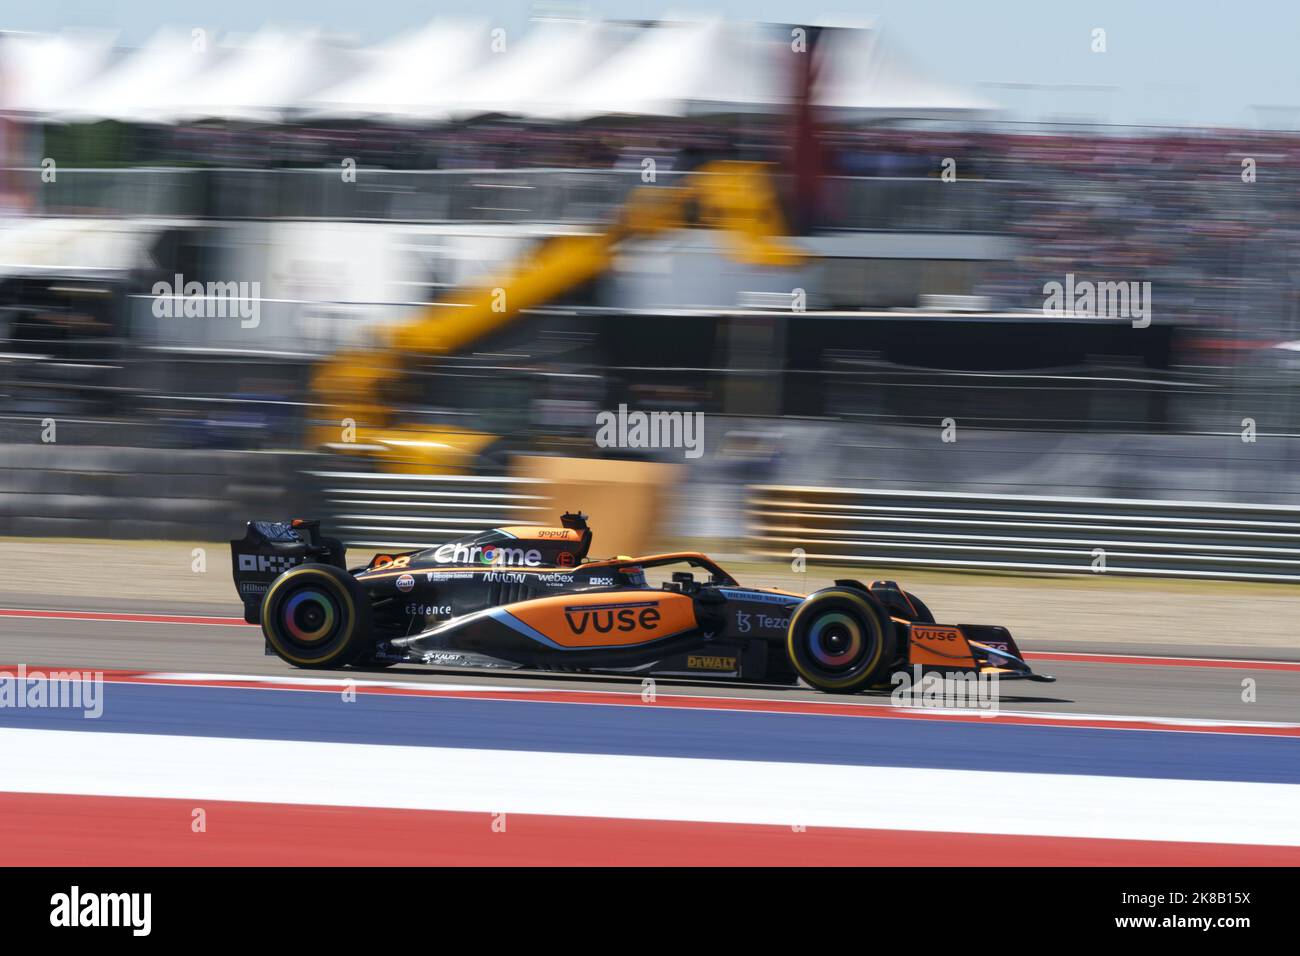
x=1185 y=539
x=65 y=489
x=567 y=195
x=381 y=510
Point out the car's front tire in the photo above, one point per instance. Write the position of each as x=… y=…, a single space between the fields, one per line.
x=841 y=640
x=317 y=615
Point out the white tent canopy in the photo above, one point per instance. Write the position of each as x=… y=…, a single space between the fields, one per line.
x=682 y=68
x=259 y=81
x=412 y=77
x=456 y=68
x=137 y=88
x=866 y=74
x=530 y=77
x=38 y=71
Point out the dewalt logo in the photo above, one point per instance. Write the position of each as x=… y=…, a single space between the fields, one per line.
x=701 y=662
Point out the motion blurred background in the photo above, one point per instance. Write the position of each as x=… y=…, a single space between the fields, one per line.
x=452 y=249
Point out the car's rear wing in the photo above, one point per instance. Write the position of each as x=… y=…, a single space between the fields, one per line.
x=269 y=548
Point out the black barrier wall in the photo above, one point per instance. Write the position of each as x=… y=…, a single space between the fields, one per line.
x=105 y=492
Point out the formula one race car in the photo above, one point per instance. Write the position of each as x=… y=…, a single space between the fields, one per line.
x=528 y=597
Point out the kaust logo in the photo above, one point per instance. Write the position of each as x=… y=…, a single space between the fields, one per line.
x=621 y=617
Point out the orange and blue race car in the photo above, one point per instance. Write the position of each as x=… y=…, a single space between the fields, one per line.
x=530 y=598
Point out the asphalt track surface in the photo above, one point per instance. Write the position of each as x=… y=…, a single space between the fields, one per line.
x=1202 y=682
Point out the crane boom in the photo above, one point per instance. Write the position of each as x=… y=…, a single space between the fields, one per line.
x=736 y=198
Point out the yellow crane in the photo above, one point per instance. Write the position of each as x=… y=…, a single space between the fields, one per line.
x=734 y=197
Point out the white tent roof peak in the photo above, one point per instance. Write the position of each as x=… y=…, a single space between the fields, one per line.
x=683 y=67
x=410 y=76
x=37 y=70
x=136 y=88
x=867 y=73
x=262 y=78
x=529 y=77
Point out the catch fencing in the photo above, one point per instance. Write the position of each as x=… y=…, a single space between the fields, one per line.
x=404 y=511
x=946 y=530
x=93 y=491
x=558 y=195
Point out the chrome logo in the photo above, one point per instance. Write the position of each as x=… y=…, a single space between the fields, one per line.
x=308 y=616
x=835 y=639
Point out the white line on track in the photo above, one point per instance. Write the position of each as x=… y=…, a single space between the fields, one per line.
x=665 y=788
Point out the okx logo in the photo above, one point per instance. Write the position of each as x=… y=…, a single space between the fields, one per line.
x=275 y=563
x=604 y=618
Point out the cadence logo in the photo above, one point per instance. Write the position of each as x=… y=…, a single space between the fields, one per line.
x=606 y=618
x=74 y=908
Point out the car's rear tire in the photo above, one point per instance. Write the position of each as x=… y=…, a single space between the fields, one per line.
x=841 y=640
x=317 y=615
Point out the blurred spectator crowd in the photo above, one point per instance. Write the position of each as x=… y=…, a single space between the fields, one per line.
x=1207 y=216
